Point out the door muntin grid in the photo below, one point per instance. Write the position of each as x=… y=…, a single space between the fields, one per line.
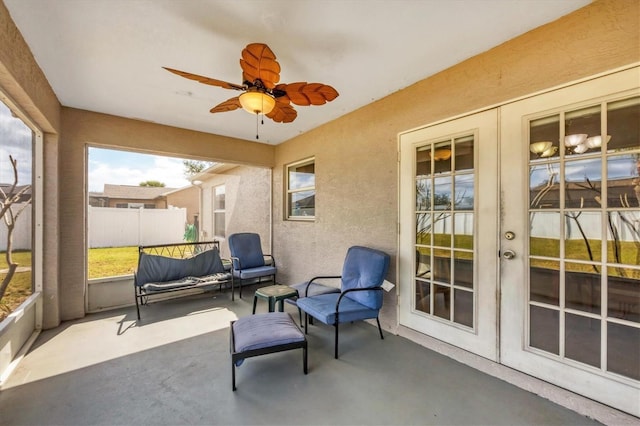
x=445 y=188
x=584 y=236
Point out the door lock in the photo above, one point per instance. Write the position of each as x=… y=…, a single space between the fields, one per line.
x=509 y=254
x=509 y=235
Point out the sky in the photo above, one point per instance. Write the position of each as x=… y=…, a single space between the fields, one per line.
x=15 y=140
x=128 y=168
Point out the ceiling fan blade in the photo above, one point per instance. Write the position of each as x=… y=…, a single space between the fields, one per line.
x=303 y=93
x=282 y=113
x=206 y=80
x=228 y=105
x=259 y=62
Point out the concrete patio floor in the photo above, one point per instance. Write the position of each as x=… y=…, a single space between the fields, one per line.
x=173 y=368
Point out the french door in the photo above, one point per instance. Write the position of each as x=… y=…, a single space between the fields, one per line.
x=570 y=236
x=520 y=236
x=448 y=238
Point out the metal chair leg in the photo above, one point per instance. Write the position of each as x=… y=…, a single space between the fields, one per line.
x=379 y=328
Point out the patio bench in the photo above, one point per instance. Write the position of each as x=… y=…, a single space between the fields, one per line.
x=170 y=268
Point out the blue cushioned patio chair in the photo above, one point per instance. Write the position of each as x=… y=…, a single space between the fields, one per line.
x=247 y=259
x=360 y=294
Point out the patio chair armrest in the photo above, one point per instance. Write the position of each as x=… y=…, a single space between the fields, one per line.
x=273 y=259
x=322 y=277
x=233 y=263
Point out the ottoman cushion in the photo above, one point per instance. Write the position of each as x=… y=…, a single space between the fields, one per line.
x=265 y=330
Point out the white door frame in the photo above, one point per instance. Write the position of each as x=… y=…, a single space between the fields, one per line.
x=482 y=340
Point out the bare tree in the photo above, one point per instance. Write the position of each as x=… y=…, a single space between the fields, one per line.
x=7 y=201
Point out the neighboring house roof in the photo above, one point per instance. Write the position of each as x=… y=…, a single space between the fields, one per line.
x=173 y=191
x=6 y=187
x=134 y=192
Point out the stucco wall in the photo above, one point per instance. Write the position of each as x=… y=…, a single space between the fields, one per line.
x=247 y=204
x=356 y=155
x=187 y=198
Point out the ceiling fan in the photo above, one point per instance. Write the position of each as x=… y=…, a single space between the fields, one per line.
x=261 y=92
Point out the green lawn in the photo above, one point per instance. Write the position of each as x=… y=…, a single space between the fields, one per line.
x=112 y=261
x=20 y=286
x=103 y=262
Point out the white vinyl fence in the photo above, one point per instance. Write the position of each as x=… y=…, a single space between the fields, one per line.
x=116 y=227
x=22 y=231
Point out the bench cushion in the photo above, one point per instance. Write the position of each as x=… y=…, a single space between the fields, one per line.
x=187 y=282
x=265 y=330
x=159 y=269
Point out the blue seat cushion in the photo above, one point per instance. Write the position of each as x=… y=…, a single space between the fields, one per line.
x=265 y=330
x=260 y=271
x=323 y=308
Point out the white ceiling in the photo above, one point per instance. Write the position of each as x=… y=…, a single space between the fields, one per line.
x=106 y=55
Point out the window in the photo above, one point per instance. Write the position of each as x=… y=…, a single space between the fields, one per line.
x=218 y=211
x=21 y=224
x=301 y=190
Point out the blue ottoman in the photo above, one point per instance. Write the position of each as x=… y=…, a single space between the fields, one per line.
x=264 y=334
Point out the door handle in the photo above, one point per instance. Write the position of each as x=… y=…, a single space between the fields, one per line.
x=509 y=254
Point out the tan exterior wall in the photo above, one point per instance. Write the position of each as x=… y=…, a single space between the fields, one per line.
x=247 y=204
x=187 y=198
x=356 y=155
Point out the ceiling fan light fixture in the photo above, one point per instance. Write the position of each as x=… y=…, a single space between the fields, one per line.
x=255 y=102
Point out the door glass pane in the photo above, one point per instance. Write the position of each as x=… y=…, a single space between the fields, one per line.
x=544 y=235
x=442 y=193
x=464 y=193
x=544 y=281
x=423 y=228
x=463 y=269
x=463 y=309
x=442 y=157
x=623 y=293
x=582 y=339
x=423 y=262
x=442 y=266
x=442 y=229
x=423 y=161
x=544 y=190
x=583 y=239
x=464 y=154
x=544 y=326
x=544 y=137
x=623 y=350
x=622 y=125
x=623 y=180
x=623 y=237
x=423 y=296
x=463 y=230
x=442 y=302
x=423 y=194
x=582 y=183
x=582 y=287
x=580 y=129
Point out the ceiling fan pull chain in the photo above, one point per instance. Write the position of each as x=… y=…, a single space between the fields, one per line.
x=257 y=137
